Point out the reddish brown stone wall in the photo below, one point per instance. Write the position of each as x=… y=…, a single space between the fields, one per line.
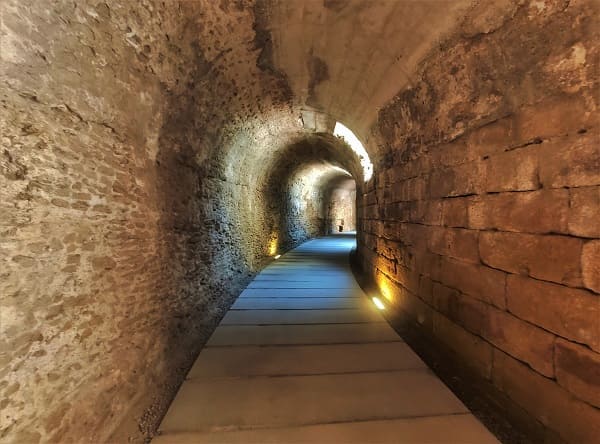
x=482 y=221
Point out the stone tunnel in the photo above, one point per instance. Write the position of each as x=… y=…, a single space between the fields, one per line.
x=157 y=155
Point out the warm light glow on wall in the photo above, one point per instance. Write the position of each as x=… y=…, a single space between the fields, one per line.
x=273 y=246
x=346 y=133
x=386 y=291
x=385 y=287
x=341 y=170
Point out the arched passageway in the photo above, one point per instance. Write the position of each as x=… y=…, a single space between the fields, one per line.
x=341 y=205
x=156 y=155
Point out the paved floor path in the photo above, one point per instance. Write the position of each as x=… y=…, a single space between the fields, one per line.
x=304 y=356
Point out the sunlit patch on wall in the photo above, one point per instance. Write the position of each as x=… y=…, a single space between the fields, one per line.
x=341 y=170
x=346 y=133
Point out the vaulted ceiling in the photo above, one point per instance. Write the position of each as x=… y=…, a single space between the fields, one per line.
x=347 y=58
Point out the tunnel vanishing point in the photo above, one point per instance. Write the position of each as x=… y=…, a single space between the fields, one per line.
x=157 y=155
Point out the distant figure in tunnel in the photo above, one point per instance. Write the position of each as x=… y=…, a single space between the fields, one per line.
x=341 y=225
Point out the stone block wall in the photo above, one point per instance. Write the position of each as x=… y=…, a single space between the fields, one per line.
x=483 y=220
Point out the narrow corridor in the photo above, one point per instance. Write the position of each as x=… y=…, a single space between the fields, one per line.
x=304 y=356
x=156 y=155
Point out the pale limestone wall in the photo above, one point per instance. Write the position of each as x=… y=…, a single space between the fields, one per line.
x=341 y=206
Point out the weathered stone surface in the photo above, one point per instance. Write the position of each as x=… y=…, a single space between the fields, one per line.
x=568 y=312
x=466 y=311
x=574 y=420
x=155 y=154
x=543 y=211
x=481 y=282
x=476 y=352
x=521 y=340
x=140 y=141
x=584 y=211
x=515 y=170
x=556 y=116
x=460 y=180
x=455 y=212
x=578 y=370
x=551 y=258
x=515 y=145
x=456 y=243
x=571 y=163
x=590 y=265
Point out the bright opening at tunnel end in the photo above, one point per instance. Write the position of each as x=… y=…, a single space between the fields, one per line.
x=342 y=131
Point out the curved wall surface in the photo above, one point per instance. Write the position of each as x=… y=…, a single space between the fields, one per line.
x=156 y=154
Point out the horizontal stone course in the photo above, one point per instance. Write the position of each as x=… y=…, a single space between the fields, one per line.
x=590 y=265
x=489 y=286
x=584 y=211
x=455 y=212
x=568 y=312
x=460 y=180
x=454 y=242
x=476 y=352
x=521 y=340
x=553 y=117
x=578 y=370
x=573 y=420
x=572 y=162
x=513 y=171
x=542 y=211
x=471 y=313
x=551 y=258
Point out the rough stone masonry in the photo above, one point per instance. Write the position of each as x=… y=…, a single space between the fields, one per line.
x=155 y=154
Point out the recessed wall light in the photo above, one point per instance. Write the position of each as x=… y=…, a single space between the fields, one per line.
x=378 y=303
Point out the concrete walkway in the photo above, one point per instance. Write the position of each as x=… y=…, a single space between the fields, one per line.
x=304 y=356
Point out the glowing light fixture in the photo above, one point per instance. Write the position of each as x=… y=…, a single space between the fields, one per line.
x=277 y=256
x=378 y=303
x=346 y=133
